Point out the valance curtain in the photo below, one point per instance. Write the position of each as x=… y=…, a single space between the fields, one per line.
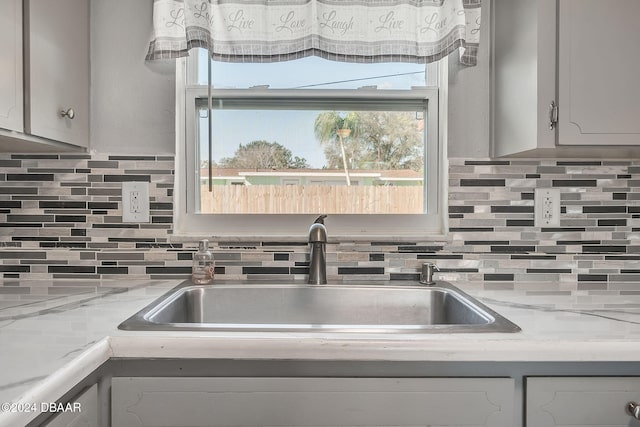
x=419 y=31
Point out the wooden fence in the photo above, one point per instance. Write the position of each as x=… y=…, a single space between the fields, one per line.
x=330 y=199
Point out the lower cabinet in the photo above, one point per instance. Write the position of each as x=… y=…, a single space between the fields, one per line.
x=581 y=401
x=226 y=401
x=82 y=411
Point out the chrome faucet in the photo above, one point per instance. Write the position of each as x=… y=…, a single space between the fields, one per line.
x=318 y=255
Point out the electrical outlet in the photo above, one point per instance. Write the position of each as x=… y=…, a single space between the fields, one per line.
x=135 y=202
x=547 y=207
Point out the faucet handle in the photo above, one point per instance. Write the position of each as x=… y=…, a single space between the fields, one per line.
x=426 y=274
x=320 y=219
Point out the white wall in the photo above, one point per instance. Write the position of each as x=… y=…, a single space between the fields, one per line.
x=469 y=99
x=132 y=101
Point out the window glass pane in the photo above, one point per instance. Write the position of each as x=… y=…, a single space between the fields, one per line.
x=307 y=159
x=310 y=73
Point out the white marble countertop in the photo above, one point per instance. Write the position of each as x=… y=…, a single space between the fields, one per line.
x=50 y=340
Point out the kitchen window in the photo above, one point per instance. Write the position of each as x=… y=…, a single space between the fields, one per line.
x=279 y=143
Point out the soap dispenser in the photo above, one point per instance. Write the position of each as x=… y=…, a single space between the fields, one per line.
x=203 y=265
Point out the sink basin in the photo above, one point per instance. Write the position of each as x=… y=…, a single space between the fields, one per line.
x=306 y=308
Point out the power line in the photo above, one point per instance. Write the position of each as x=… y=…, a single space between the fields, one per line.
x=358 y=80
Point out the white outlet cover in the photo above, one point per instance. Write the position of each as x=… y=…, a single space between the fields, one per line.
x=141 y=213
x=547 y=207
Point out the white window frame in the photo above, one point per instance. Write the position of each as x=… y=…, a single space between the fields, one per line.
x=254 y=227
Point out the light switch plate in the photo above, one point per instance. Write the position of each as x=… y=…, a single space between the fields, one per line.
x=135 y=201
x=547 y=207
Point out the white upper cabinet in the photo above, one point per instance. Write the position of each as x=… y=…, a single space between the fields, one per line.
x=58 y=70
x=11 y=100
x=524 y=75
x=44 y=53
x=580 y=55
x=598 y=63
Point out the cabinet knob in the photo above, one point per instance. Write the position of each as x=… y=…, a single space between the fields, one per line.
x=68 y=113
x=634 y=410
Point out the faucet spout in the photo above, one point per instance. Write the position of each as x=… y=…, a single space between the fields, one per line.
x=318 y=255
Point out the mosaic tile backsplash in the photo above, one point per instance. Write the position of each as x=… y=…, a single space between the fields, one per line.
x=60 y=217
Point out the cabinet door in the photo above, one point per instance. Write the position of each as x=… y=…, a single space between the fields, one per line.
x=524 y=75
x=581 y=401
x=11 y=100
x=598 y=90
x=312 y=402
x=58 y=70
x=83 y=411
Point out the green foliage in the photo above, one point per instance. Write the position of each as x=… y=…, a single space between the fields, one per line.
x=391 y=140
x=378 y=140
x=328 y=123
x=263 y=155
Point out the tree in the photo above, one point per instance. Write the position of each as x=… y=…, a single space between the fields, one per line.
x=263 y=155
x=334 y=129
x=379 y=140
x=391 y=140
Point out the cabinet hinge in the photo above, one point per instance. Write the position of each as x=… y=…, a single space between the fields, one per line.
x=553 y=115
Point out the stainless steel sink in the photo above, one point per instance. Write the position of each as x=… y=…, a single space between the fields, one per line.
x=306 y=308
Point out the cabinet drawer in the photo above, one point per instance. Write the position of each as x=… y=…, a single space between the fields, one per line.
x=312 y=401
x=583 y=401
x=84 y=414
